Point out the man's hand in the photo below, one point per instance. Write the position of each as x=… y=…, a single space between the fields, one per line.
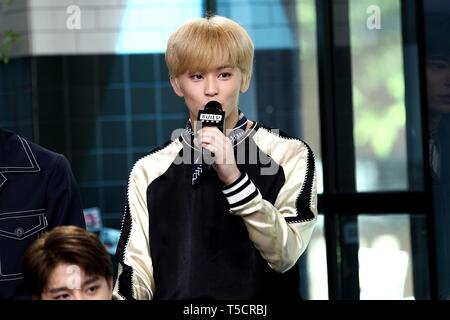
x=211 y=139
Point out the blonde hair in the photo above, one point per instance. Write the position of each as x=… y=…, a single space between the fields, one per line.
x=205 y=43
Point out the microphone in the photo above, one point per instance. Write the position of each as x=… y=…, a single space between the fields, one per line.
x=212 y=116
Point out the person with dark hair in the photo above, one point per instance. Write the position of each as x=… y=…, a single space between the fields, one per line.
x=438 y=96
x=438 y=70
x=232 y=228
x=37 y=193
x=68 y=263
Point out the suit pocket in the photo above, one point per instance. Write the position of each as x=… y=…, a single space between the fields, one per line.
x=22 y=224
x=17 y=231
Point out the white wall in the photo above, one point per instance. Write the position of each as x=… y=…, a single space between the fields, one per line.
x=105 y=26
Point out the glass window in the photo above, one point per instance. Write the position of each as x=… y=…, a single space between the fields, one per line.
x=314 y=278
x=378 y=95
x=389 y=247
x=437 y=59
x=153 y=21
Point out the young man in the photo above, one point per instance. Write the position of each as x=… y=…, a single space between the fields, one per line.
x=234 y=230
x=437 y=28
x=68 y=263
x=37 y=192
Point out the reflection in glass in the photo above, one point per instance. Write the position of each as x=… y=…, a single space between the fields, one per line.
x=378 y=95
x=437 y=30
x=385 y=257
x=314 y=261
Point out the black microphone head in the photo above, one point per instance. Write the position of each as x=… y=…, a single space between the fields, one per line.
x=212 y=115
x=213 y=105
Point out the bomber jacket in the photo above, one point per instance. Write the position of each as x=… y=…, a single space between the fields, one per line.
x=211 y=241
x=37 y=193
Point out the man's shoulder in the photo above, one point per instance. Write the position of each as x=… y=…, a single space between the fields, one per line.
x=24 y=150
x=42 y=153
x=273 y=139
x=162 y=155
x=48 y=160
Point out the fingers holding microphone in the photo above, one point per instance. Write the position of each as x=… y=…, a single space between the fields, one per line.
x=213 y=140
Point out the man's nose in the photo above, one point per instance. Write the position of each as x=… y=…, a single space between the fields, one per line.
x=78 y=295
x=211 y=88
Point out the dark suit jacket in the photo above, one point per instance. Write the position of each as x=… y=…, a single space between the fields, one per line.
x=37 y=192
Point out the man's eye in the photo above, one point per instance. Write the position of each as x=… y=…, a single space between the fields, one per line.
x=196 y=76
x=225 y=75
x=92 y=289
x=62 y=297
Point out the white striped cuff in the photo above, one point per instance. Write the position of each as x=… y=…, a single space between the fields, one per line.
x=241 y=191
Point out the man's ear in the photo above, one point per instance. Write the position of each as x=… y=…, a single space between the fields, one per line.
x=176 y=86
x=110 y=282
x=35 y=297
x=245 y=83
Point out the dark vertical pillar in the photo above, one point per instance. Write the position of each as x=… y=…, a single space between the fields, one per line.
x=336 y=108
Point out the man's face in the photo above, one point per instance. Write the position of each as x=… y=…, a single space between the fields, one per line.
x=438 y=84
x=222 y=84
x=69 y=282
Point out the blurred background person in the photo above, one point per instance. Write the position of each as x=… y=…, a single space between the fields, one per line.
x=438 y=94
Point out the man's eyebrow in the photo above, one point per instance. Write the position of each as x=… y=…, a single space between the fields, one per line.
x=90 y=280
x=59 y=289
x=225 y=66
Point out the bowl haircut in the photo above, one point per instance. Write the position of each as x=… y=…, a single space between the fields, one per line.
x=207 y=43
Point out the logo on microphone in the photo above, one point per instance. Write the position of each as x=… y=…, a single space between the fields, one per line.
x=210 y=117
